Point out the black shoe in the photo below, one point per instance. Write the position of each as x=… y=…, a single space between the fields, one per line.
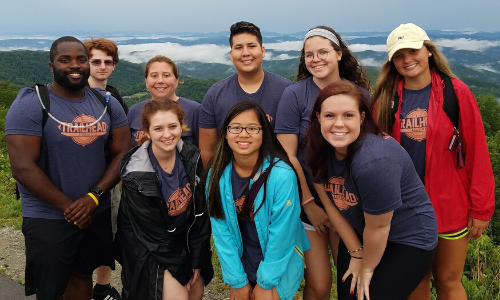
x=110 y=293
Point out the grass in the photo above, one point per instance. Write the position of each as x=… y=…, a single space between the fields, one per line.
x=10 y=207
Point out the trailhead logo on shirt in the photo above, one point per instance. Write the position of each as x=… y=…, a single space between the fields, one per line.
x=343 y=198
x=178 y=201
x=87 y=135
x=238 y=203
x=414 y=125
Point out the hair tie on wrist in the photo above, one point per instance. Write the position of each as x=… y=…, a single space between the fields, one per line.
x=349 y=251
x=356 y=257
x=307 y=201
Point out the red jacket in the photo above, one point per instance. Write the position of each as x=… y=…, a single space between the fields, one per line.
x=456 y=193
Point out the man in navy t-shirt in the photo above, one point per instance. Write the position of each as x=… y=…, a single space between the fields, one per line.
x=65 y=184
x=250 y=82
x=103 y=55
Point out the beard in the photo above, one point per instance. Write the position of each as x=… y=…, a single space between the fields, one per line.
x=62 y=78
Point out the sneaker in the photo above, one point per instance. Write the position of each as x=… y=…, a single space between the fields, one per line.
x=109 y=294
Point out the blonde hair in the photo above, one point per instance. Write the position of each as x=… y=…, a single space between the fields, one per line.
x=386 y=85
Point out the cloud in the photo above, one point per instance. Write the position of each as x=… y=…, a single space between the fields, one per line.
x=482 y=67
x=467 y=44
x=365 y=47
x=371 y=62
x=24 y=48
x=208 y=53
x=283 y=56
x=285 y=46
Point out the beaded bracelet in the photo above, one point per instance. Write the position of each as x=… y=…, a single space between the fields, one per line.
x=349 y=251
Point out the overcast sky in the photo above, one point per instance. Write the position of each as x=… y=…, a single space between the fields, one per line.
x=165 y=16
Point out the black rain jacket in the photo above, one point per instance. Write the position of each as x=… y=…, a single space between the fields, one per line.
x=145 y=244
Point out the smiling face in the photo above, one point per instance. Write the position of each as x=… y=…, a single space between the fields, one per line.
x=70 y=68
x=327 y=69
x=165 y=130
x=413 y=64
x=244 y=144
x=161 y=81
x=247 y=53
x=340 y=122
x=101 y=72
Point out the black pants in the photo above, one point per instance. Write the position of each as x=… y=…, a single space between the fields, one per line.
x=399 y=272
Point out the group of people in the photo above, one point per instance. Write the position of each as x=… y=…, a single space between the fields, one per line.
x=281 y=174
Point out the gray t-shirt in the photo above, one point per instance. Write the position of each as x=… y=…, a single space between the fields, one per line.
x=191 y=112
x=383 y=179
x=76 y=156
x=225 y=93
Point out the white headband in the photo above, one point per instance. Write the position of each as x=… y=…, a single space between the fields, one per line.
x=324 y=33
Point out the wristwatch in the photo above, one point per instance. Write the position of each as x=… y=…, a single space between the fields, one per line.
x=96 y=190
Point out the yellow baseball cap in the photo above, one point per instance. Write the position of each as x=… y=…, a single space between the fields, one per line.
x=405 y=36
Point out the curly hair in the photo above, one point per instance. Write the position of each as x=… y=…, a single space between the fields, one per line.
x=349 y=67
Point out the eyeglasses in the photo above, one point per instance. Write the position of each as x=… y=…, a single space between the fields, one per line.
x=98 y=62
x=321 y=54
x=248 y=129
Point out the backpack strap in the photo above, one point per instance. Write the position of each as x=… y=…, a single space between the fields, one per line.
x=394 y=110
x=450 y=100
x=43 y=92
x=252 y=193
x=102 y=100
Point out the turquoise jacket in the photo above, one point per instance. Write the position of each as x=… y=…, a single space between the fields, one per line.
x=281 y=233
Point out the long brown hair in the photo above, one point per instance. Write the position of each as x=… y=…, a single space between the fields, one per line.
x=349 y=67
x=318 y=150
x=387 y=84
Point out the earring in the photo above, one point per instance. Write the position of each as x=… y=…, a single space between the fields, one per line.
x=430 y=54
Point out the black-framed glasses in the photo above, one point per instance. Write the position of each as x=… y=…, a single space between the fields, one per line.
x=98 y=62
x=321 y=54
x=248 y=129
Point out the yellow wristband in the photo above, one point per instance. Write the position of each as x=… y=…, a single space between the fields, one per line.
x=94 y=198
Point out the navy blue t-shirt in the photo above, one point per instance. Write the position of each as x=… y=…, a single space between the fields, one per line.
x=191 y=112
x=76 y=155
x=414 y=125
x=252 y=251
x=383 y=179
x=293 y=118
x=176 y=191
x=225 y=93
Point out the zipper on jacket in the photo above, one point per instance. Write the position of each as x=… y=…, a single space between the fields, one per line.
x=194 y=202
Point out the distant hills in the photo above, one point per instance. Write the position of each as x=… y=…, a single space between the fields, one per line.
x=474 y=57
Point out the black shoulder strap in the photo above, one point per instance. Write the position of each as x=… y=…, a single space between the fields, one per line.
x=102 y=100
x=450 y=101
x=394 y=110
x=252 y=194
x=44 y=96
